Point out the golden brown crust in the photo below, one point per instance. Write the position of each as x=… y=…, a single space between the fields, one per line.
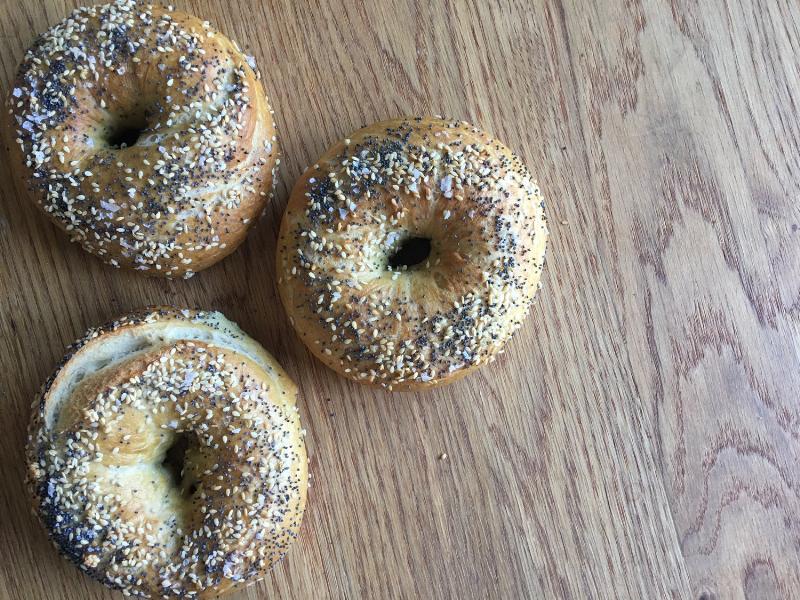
x=102 y=427
x=352 y=215
x=184 y=194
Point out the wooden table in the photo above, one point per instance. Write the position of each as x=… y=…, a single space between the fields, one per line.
x=641 y=436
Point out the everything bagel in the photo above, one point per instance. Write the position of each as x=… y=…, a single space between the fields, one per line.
x=410 y=252
x=166 y=457
x=145 y=135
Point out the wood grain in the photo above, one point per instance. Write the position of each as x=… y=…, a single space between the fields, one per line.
x=641 y=436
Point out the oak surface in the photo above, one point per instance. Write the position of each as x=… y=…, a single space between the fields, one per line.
x=641 y=436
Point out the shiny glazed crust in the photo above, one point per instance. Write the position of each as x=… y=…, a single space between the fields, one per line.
x=104 y=424
x=184 y=194
x=348 y=215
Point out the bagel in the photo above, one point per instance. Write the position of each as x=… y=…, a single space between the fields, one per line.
x=410 y=253
x=145 y=134
x=165 y=456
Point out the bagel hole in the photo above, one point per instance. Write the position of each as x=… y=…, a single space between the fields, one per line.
x=412 y=251
x=175 y=462
x=125 y=132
